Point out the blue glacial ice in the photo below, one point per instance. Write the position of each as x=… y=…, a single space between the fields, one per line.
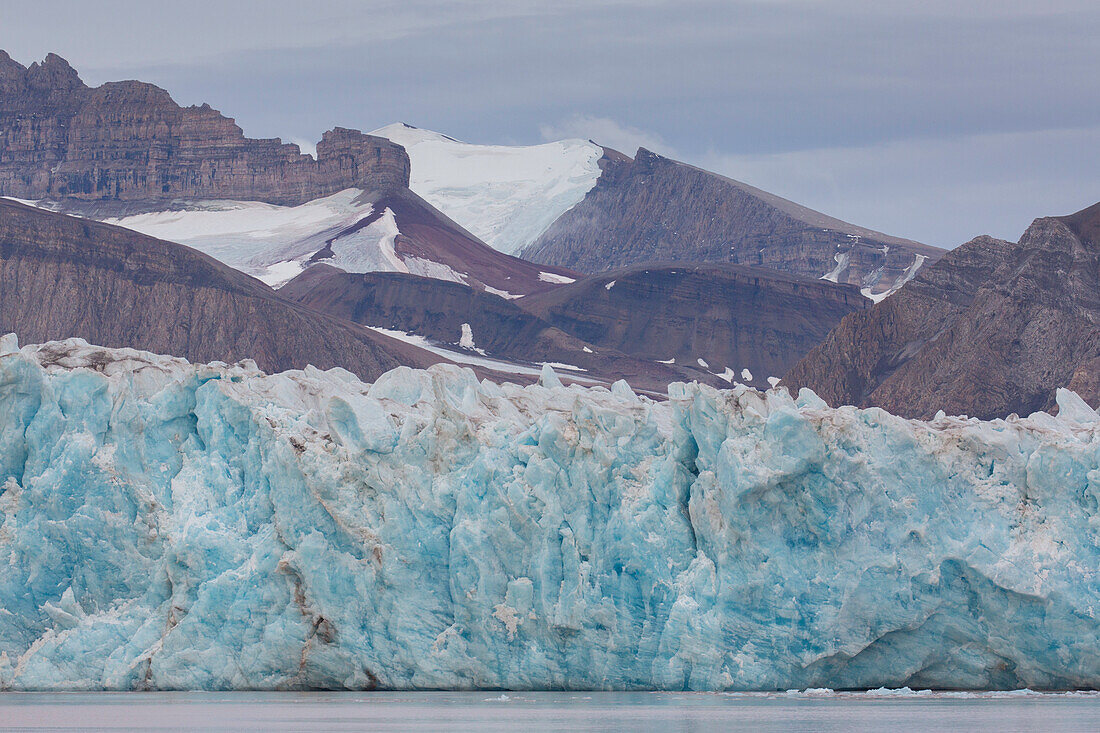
x=177 y=526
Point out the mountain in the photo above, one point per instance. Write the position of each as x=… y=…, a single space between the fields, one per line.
x=649 y=325
x=392 y=230
x=991 y=329
x=126 y=154
x=398 y=231
x=722 y=319
x=507 y=195
x=651 y=208
x=63 y=277
x=475 y=327
x=128 y=141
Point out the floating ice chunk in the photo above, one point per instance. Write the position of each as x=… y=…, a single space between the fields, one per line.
x=746 y=375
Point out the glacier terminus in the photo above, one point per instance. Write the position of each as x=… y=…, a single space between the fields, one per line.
x=167 y=525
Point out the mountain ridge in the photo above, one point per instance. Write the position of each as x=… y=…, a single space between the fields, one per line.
x=993 y=328
x=63 y=277
x=61 y=139
x=651 y=208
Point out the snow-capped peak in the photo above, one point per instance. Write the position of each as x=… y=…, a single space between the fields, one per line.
x=507 y=195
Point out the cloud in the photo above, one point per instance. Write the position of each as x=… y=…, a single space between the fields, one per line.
x=308 y=147
x=935 y=190
x=607 y=132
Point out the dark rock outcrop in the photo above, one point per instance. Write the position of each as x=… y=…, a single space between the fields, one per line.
x=652 y=209
x=128 y=141
x=729 y=316
x=62 y=277
x=438 y=309
x=993 y=328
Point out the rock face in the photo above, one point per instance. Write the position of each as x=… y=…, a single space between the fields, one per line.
x=993 y=328
x=652 y=209
x=729 y=316
x=445 y=311
x=63 y=277
x=128 y=141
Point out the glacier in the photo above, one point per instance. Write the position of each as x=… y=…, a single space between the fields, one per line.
x=167 y=525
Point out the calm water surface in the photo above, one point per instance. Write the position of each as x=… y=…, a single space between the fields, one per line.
x=534 y=712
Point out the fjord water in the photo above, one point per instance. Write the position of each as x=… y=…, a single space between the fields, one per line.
x=534 y=712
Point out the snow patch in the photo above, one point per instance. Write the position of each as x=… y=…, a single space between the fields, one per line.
x=502 y=293
x=281 y=273
x=507 y=196
x=466 y=339
x=551 y=277
x=841 y=259
x=252 y=236
x=909 y=274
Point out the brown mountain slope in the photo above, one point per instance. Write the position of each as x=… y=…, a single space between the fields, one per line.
x=62 y=277
x=993 y=328
x=652 y=209
x=500 y=329
x=729 y=316
x=128 y=141
x=426 y=243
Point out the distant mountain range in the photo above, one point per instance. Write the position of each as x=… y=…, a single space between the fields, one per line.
x=581 y=206
x=61 y=277
x=649 y=325
x=128 y=141
x=400 y=247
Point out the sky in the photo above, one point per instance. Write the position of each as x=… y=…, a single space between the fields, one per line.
x=932 y=120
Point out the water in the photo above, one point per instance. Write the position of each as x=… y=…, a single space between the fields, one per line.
x=535 y=712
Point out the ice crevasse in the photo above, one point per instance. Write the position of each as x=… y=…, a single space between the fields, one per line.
x=168 y=525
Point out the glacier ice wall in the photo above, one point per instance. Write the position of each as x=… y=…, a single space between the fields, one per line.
x=178 y=526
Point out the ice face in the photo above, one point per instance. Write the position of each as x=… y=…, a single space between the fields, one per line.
x=178 y=526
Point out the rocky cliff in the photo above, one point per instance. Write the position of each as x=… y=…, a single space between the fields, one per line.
x=129 y=141
x=993 y=328
x=651 y=209
x=63 y=277
x=717 y=319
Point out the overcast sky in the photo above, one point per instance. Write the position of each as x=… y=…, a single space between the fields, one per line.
x=932 y=120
